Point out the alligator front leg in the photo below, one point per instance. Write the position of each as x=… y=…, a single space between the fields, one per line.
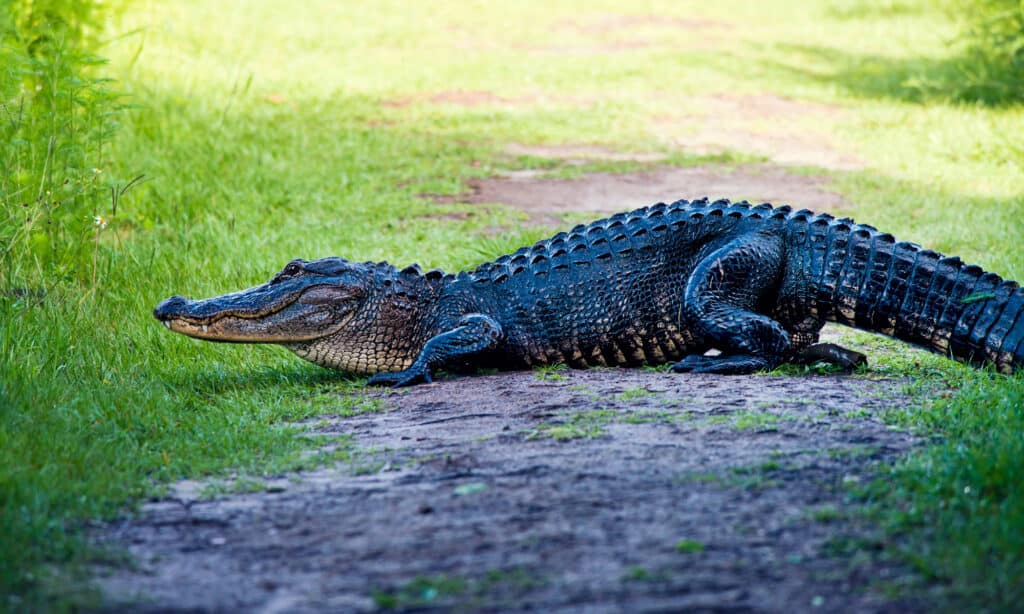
x=719 y=302
x=474 y=333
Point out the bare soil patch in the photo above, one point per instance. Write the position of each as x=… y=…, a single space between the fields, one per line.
x=462 y=98
x=605 y=23
x=666 y=493
x=589 y=48
x=581 y=153
x=545 y=200
x=769 y=106
x=611 y=32
x=484 y=98
x=787 y=131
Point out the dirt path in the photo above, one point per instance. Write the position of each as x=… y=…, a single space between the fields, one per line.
x=544 y=199
x=602 y=490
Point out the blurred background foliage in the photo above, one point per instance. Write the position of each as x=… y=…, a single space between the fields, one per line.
x=58 y=116
x=991 y=70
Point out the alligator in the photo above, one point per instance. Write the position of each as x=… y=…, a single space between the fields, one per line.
x=661 y=284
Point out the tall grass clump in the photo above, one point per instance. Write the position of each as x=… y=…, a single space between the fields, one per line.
x=57 y=117
x=991 y=70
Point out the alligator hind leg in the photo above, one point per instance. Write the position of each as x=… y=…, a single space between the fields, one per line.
x=719 y=302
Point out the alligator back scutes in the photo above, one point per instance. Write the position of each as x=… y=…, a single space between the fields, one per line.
x=622 y=234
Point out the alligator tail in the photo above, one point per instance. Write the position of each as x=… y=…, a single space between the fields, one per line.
x=865 y=279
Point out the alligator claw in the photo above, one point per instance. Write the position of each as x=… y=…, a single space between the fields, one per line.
x=399 y=379
x=738 y=364
x=833 y=354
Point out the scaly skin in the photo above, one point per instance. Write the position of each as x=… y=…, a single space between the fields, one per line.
x=660 y=284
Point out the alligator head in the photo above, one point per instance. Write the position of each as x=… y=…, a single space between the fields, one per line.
x=329 y=311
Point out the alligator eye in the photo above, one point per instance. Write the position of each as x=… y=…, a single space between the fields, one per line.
x=292 y=269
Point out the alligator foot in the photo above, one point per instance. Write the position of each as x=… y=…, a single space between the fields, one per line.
x=830 y=353
x=399 y=379
x=737 y=364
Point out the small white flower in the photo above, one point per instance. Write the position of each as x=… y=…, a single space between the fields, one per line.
x=96 y=171
x=100 y=222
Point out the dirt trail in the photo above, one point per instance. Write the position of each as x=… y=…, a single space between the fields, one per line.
x=599 y=491
x=582 y=491
x=545 y=199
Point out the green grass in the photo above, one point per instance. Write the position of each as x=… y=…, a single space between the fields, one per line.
x=634 y=393
x=491 y=590
x=268 y=131
x=578 y=425
x=420 y=592
x=551 y=373
x=689 y=546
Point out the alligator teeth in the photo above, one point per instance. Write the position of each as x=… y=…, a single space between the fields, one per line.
x=205 y=328
x=167 y=323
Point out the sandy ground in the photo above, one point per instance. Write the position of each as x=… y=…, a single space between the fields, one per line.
x=579 y=491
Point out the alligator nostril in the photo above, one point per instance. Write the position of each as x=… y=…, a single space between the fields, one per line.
x=170 y=307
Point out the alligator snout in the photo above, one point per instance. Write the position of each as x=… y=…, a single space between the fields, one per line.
x=170 y=307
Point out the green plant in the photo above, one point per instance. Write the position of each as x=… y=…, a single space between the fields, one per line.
x=551 y=373
x=58 y=206
x=420 y=592
x=636 y=392
x=689 y=546
x=992 y=69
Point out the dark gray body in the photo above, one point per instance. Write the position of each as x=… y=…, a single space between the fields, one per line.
x=614 y=292
x=662 y=284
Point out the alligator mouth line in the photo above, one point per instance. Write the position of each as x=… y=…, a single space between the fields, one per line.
x=206 y=321
x=208 y=329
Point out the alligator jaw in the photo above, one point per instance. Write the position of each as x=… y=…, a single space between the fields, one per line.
x=247 y=317
x=228 y=329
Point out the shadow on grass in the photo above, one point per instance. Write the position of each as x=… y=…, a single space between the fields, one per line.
x=300 y=375
x=962 y=77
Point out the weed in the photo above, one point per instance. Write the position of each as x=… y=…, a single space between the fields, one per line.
x=689 y=546
x=651 y=416
x=634 y=393
x=550 y=373
x=825 y=514
x=698 y=477
x=638 y=573
x=749 y=420
x=469 y=593
x=753 y=478
x=580 y=425
x=662 y=368
x=420 y=592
